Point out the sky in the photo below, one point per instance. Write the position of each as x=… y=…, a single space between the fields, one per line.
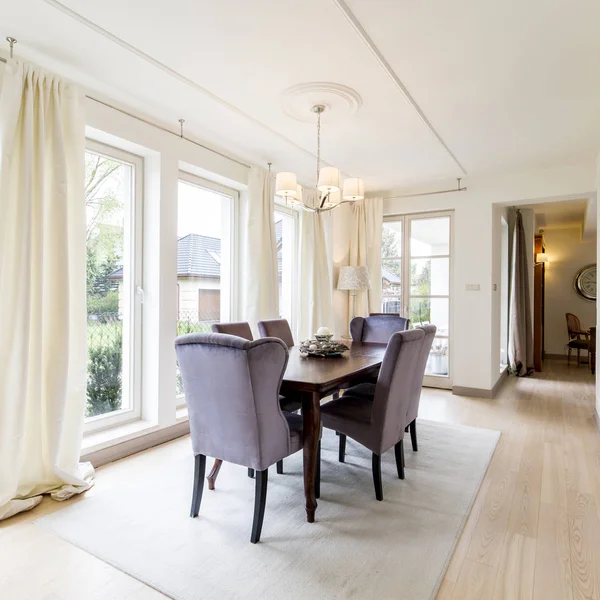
x=199 y=211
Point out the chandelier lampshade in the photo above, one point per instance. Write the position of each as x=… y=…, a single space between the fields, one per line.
x=329 y=179
x=286 y=184
x=354 y=189
x=297 y=199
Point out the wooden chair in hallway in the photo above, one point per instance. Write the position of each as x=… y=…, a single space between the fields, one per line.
x=576 y=341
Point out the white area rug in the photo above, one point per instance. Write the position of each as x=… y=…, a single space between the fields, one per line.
x=358 y=548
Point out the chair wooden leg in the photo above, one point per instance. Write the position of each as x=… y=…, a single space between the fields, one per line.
x=578 y=356
x=199 y=470
x=260 y=501
x=212 y=476
x=251 y=473
x=568 y=356
x=280 y=467
x=399 y=451
x=376 y=463
x=413 y=435
x=318 y=473
x=342 y=455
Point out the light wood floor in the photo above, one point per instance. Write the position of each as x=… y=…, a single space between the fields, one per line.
x=534 y=532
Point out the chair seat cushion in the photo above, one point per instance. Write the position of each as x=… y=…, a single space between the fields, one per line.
x=350 y=415
x=290 y=404
x=362 y=390
x=295 y=424
x=579 y=344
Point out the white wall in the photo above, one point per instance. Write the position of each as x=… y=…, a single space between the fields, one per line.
x=567 y=253
x=477 y=255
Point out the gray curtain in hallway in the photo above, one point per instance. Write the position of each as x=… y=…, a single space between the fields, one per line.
x=520 y=336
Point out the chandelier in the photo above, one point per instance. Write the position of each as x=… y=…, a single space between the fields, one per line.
x=328 y=182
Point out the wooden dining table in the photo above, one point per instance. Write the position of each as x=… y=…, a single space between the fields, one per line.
x=313 y=379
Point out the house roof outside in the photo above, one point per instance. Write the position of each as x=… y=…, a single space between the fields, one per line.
x=200 y=255
x=389 y=276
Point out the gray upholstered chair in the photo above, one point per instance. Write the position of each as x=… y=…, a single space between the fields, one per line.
x=241 y=329
x=378 y=422
x=377 y=327
x=278 y=328
x=232 y=393
x=417 y=384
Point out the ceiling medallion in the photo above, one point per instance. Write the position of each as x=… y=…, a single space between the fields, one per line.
x=340 y=101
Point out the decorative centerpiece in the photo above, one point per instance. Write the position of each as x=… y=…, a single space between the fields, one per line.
x=322 y=345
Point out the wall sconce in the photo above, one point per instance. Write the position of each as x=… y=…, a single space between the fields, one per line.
x=542 y=257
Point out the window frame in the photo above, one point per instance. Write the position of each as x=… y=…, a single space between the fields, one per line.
x=132 y=359
x=294 y=214
x=430 y=379
x=232 y=214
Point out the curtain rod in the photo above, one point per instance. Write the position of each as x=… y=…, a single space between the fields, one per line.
x=165 y=129
x=456 y=189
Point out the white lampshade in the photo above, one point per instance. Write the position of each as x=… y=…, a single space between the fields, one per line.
x=354 y=189
x=542 y=257
x=333 y=199
x=297 y=199
x=329 y=179
x=286 y=184
x=354 y=278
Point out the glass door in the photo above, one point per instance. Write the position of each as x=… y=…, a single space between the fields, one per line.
x=428 y=294
x=415 y=274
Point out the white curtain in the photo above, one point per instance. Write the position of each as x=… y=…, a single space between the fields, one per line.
x=260 y=281
x=365 y=251
x=42 y=289
x=315 y=297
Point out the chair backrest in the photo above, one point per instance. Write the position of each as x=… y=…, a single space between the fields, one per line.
x=241 y=329
x=277 y=328
x=573 y=325
x=377 y=327
x=417 y=384
x=231 y=389
x=394 y=388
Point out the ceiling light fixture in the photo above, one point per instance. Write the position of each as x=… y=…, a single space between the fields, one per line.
x=328 y=182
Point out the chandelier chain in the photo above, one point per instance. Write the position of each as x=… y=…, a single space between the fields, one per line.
x=318 y=144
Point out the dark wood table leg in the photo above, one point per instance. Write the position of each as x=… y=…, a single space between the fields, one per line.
x=311 y=413
x=212 y=476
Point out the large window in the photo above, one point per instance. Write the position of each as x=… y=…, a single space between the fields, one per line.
x=415 y=278
x=113 y=271
x=205 y=270
x=286 y=221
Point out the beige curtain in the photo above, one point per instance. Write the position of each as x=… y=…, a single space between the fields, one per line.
x=259 y=276
x=42 y=287
x=315 y=294
x=365 y=250
x=520 y=333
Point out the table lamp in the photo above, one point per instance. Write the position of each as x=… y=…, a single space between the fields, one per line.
x=354 y=279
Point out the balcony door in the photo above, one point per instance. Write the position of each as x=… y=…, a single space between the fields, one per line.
x=416 y=282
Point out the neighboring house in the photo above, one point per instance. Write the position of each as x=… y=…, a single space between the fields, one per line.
x=198 y=276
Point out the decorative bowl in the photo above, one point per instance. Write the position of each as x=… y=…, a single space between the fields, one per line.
x=322 y=348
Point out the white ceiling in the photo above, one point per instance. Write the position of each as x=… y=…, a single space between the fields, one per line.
x=497 y=85
x=559 y=215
